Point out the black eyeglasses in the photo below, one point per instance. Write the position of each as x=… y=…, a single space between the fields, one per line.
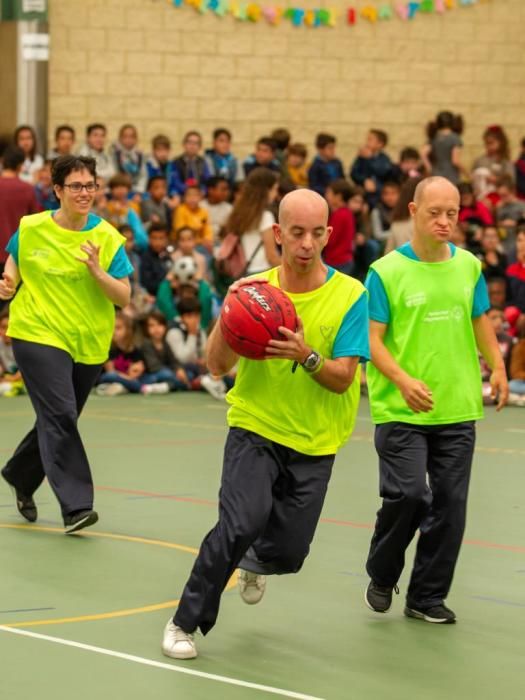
x=77 y=187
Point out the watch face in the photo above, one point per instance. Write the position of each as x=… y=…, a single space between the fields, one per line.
x=311 y=360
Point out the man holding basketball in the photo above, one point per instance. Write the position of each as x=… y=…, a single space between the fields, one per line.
x=289 y=415
x=427 y=307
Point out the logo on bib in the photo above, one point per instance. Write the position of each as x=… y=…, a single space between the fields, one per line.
x=327 y=332
x=416 y=299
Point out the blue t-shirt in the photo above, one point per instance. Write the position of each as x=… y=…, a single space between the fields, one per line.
x=120 y=265
x=379 y=308
x=352 y=337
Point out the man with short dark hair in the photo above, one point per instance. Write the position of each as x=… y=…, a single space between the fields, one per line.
x=263 y=157
x=17 y=198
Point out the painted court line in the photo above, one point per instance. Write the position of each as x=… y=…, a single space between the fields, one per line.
x=157 y=664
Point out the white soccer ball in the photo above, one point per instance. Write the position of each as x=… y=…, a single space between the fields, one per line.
x=185 y=269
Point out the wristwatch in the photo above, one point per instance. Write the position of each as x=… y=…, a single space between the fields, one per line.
x=313 y=362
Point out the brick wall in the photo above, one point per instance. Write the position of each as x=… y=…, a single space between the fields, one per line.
x=168 y=70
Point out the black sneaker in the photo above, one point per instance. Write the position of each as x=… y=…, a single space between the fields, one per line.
x=379 y=598
x=437 y=613
x=79 y=520
x=26 y=506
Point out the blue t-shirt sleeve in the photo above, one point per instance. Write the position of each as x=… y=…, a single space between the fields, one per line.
x=120 y=265
x=378 y=306
x=12 y=246
x=481 y=303
x=352 y=337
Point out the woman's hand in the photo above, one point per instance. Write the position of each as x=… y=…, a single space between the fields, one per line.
x=92 y=261
x=7 y=287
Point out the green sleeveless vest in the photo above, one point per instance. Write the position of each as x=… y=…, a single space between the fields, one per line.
x=430 y=335
x=59 y=303
x=292 y=409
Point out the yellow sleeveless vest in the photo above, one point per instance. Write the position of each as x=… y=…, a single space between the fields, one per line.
x=292 y=409
x=59 y=303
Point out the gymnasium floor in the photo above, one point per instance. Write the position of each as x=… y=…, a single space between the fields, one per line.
x=82 y=617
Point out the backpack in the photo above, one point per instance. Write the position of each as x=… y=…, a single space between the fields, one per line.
x=229 y=263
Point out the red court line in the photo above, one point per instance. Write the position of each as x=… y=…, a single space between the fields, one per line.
x=329 y=521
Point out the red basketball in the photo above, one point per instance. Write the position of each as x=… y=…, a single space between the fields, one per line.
x=251 y=316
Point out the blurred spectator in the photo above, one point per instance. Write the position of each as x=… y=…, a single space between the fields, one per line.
x=520 y=171
x=25 y=138
x=442 y=154
x=410 y=165
x=155 y=209
x=471 y=210
x=488 y=169
x=264 y=157
x=186 y=248
x=517 y=368
x=190 y=168
x=11 y=383
x=217 y=204
x=366 y=248
x=509 y=212
x=381 y=215
x=296 y=164
x=119 y=210
x=281 y=138
x=373 y=167
x=516 y=273
x=124 y=370
x=45 y=194
x=493 y=261
x=325 y=167
x=190 y=214
x=64 y=142
x=164 y=372
x=220 y=160
x=17 y=198
x=339 y=251
x=176 y=287
x=401 y=227
x=155 y=261
x=95 y=147
x=128 y=159
x=497 y=288
x=141 y=302
x=505 y=342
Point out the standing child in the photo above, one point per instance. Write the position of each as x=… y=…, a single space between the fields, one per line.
x=155 y=260
x=164 y=372
x=125 y=367
x=217 y=204
x=128 y=159
x=339 y=251
x=325 y=167
x=488 y=169
x=373 y=167
x=191 y=214
x=156 y=209
x=442 y=154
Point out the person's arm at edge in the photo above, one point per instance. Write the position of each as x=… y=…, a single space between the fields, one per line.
x=488 y=346
x=220 y=358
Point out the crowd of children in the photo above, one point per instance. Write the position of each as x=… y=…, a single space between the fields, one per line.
x=176 y=212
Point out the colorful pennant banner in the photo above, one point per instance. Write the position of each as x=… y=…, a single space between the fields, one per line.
x=299 y=17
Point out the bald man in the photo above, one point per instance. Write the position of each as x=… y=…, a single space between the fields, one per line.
x=281 y=443
x=427 y=321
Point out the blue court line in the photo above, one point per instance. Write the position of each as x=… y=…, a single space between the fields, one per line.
x=22 y=610
x=499 y=601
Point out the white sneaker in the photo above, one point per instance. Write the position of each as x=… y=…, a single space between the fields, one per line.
x=177 y=643
x=214 y=387
x=251 y=586
x=113 y=389
x=516 y=399
x=157 y=388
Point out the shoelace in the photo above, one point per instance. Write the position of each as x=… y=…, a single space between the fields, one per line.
x=182 y=636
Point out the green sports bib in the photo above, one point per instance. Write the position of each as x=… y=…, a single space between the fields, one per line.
x=430 y=335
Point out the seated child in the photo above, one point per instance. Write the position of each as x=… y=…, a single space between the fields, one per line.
x=11 y=382
x=45 y=194
x=381 y=216
x=155 y=261
x=373 y=167
x=186 y=241
x=470 y=209
x=176 y=287
x=217 y=204
x=128 y=159
x=191 y=214
x=189 y=169
x=517 y=367
x=124 y=370
x=156 y=209
x=220 y=160
x=325 y=167
x=164 y=372
x=505 y=342
x=119 y=210
x=493 y=261
x=296 y=164
x=263 y=157
x=187 y=341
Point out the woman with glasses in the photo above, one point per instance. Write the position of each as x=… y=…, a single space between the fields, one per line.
x=73 y=271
